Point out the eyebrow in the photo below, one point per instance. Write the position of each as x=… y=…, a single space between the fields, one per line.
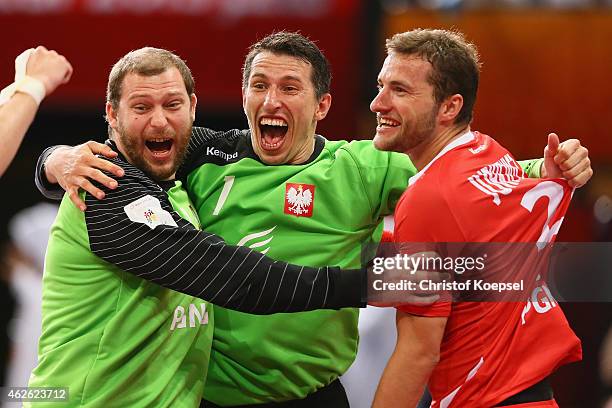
x=398 y=83
x=146 y=95
x=284 y=78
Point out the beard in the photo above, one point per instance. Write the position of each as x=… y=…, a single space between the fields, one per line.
x=130 y=143
x=407 y=139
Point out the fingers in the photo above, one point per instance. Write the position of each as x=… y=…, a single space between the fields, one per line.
x=87 y=168
x=97 y=175
x=78 y=167
x=69 y=71
x=553 y=145
x=574 y=163
x=427 y=299
x=105 y=165
x=73 y=184
x=101 y=148
x=570 y=154
x=579 y=175
x=86 y=185
x=421 y=300
x=425 y=288
x=73 y=194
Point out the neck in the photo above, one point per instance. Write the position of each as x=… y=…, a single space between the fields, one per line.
x=425 y=152
x=304 y=153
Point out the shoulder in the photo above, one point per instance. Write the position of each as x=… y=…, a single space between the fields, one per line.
x=132 y=186
x=217 y=147
x=207 y=135
x=364 y=154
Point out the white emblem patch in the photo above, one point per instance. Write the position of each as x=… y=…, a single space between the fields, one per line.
x=147 y=210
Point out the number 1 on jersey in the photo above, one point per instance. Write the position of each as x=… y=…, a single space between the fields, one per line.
x=229 y=182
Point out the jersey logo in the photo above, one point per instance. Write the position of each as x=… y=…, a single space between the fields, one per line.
x=259 y=238
x=147 y=210
x=211 y=151
x=478 y=149
x=197 y=316
x=498 y=178
x=299 y=199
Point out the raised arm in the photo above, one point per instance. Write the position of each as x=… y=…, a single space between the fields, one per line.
x=42 y=72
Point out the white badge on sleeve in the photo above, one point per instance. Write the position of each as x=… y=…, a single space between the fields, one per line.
x=147 y=210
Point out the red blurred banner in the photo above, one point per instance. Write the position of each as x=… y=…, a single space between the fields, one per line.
x=212 y=35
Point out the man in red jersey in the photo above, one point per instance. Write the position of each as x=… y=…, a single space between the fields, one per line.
x=468 y=189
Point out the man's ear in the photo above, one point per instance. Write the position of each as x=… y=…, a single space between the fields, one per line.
x=194 y=102
x=323 y=107
x=450 y=108
x=244 y=100
x=111 y=116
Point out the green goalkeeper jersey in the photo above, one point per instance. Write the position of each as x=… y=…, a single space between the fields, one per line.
x=114 y=339
x=318 y=213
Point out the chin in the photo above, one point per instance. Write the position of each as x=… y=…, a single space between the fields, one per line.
x=271 y=160
x=383 y=144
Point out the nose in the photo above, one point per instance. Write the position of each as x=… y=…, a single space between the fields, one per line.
x=380 y=103
x=272 y=101
x=158 y=118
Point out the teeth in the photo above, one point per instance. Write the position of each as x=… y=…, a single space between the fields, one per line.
x=158 y=140
x=272 y=122
x=387 y=122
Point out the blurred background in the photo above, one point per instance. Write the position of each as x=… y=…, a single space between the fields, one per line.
x=547 y=66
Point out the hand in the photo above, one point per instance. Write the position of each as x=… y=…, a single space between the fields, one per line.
x=400 y=273
x=49 y=67
x=74 y=167
x=568 y=160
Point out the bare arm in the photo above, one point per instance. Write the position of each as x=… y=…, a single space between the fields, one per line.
x=15 y=119
x=416 y=354
x=16 y=115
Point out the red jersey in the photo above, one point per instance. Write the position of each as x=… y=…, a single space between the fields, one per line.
x=474 y=191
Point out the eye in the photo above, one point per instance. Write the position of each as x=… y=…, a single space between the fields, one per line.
x=399 y=90
x=174 y=105
x=258 y=85
x=140 y=108
x=290 y=88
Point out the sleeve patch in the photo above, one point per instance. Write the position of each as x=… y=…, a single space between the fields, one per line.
x=147 y=210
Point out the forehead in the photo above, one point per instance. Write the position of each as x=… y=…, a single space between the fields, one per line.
x=409 y=68
x=168 y=82
x=273 y=65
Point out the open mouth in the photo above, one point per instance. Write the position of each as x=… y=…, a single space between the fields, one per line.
x=272 y=132
x=159 y=147
x=385 y=123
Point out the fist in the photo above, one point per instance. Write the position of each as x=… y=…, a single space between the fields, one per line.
x=49 y=67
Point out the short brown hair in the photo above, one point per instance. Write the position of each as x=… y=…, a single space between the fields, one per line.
x=294 y=45
x=454 y=60
x=147 y=61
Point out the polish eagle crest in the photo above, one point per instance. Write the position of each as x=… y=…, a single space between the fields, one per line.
x=300 y=199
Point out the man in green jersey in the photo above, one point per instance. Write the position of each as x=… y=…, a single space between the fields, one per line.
x=318 y=203
x=115 y=339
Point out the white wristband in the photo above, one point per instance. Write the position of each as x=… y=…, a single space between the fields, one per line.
x=23 y=83
x=33 y=87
